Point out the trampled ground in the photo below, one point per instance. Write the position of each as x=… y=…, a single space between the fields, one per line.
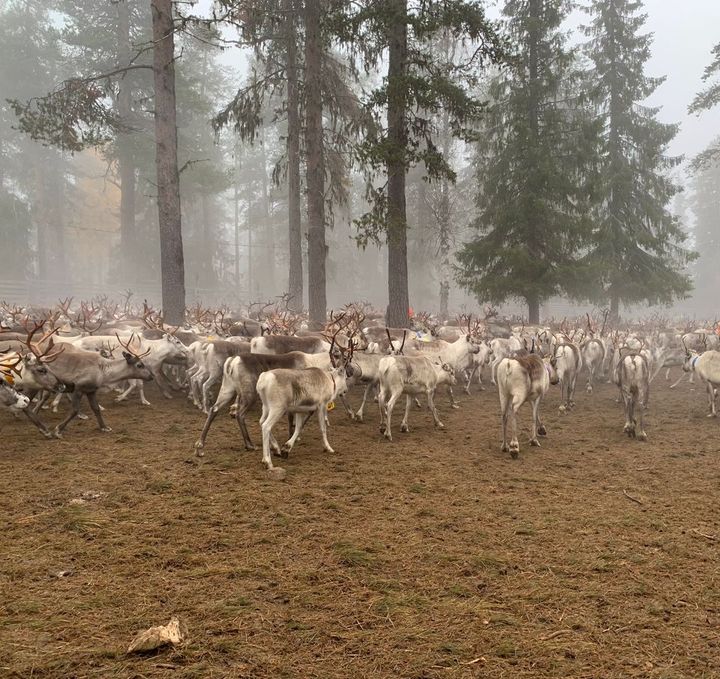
x=434 y=556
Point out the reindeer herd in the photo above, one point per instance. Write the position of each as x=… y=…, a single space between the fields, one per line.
x=53 y=357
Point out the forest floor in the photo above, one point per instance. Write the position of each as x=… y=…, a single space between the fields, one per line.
x=434 y=556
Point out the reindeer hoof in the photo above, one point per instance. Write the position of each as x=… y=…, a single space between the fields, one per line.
x=541 y=430
x=199 y=452
x=440 y=425
x=455 y=406
x=358 y=417
x=589 y=389
x=562 y=408
x=712 y=415
x=535 y=443
x=276 y=473
x=642 y=436
x=404 y=428
x=82 y=416
x=107 y=430
x=514 y=453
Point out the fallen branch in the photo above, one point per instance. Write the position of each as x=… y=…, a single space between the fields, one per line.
x=630 y=497
x=705 y=535
x=555 y=634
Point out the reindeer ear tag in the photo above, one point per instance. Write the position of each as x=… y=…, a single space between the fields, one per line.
x=8 y=378
x=331 y=405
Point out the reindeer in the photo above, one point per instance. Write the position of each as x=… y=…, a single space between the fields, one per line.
x=239 y=383
x=632 y=376
x=567 y=362
x=412 y=376
x=10 y=398
x=167 y=349
x=29 y=373
x=524 y=377
x=300 y=393
x=706 y=366
x=84 y=372
x=459 y=354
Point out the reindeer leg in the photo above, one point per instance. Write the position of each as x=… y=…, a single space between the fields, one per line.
x=359 y=413
x=388 y=415
x=223 y=399
x=433 y=409
x=512 y=412
x=267 y=422
x=36 y=421
x=674 y=384
x=162 y=381
x=711 y=400
x=453 y=403
x=469 y=379
x=288 y=445
x=95 y=407
x=323 y=429
x=75 y=403
x=505 y=417
x=535 y=422
x=404 y=424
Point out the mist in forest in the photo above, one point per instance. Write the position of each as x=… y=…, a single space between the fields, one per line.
x=83 y=221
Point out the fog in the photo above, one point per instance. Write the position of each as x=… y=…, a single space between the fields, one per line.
x=61 y=210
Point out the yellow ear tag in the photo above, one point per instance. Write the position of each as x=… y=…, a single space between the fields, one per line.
x=11 y=380
x=331 y=405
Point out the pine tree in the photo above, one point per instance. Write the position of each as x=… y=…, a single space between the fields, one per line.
x=531 y=168
x=635 y=251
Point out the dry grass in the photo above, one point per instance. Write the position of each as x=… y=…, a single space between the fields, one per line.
x=434 y=556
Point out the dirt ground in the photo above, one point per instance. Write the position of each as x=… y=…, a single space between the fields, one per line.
x=434 y=556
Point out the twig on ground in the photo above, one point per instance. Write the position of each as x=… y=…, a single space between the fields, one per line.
x=705 y=535
x=630 y=497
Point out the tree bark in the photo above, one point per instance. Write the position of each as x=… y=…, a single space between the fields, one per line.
x=533 y=310
x=295 y=276
x=126 y=164
x=315 y=164
x=168 y=180
x=398 y=295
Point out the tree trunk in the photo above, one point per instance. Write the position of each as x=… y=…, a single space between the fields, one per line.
x=295 y=277
x=126 y=164
x=236 y=215
x=315 y=164
x=267 y=254
x=168 y=180
x=614 y=316
x=533 y=310
x=398 y=296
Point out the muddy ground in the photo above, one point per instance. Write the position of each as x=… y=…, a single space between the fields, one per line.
x=434 y=556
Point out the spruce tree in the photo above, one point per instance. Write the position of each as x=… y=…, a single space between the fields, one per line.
x=635 y=251
x=531 y=168
x=417 y=89
x=707 y=99
x=705 y=204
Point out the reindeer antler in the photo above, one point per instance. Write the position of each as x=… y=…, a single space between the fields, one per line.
x=127 y=348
